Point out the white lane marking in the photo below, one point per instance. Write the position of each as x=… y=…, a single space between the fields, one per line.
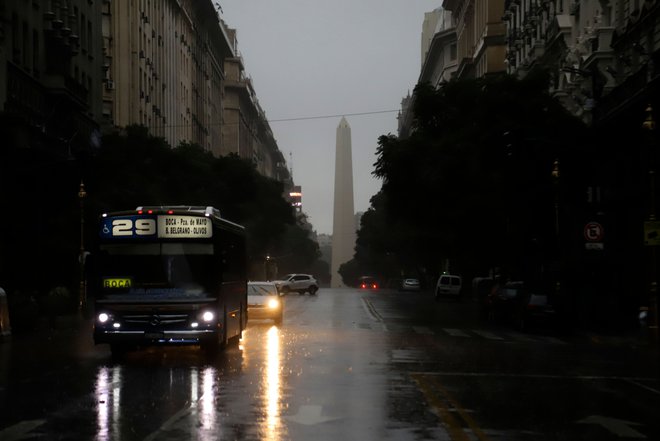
x=455 y=332
x=20 y=430
x=407 y=355
x=174 y=419
x=620 y=428
x=643 y=386
x=309 y=415
x=486 y=334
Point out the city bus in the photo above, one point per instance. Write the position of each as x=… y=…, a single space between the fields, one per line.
x=169 y=275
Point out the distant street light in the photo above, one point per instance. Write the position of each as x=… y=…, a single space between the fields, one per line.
x=82 y=294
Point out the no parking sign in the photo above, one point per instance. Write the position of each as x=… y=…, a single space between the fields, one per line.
x=593 y=233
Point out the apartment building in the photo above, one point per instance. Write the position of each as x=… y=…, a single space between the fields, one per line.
x=439 y=61
x=50 y=71
x=480 y=35
x=174 y=67
x=570 y=40
x=163 y=64
x=602 y=54
x=245 y=130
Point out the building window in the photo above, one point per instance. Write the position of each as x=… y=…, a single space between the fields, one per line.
x=89 y=37
x=25 y=46
x=83 y=32
x=15 y=39
x=35 y=53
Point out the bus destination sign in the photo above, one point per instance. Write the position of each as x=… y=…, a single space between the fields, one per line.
x=156 y=226
x=184 y=227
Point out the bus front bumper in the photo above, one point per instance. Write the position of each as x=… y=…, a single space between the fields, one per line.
x=177 y=336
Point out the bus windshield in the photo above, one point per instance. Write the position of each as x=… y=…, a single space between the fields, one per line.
x=157 y=270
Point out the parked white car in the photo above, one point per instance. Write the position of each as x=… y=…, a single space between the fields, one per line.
x=448 y=285
x=300 y=283
x=264 y=302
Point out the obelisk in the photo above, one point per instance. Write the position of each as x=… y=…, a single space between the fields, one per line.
x=343 y=225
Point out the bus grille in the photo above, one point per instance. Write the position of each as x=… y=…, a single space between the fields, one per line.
x=155 y=319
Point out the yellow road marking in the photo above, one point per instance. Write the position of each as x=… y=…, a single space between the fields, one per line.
x=430 y=389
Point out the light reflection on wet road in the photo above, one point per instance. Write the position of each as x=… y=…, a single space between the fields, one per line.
x=344 y=365
x=320 y=370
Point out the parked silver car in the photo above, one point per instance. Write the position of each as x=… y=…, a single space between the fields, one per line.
x=410 y=284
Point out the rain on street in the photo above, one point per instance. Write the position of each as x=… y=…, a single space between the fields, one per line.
x=346 y=364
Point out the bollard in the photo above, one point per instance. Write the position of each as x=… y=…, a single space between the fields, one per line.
x=5 y=329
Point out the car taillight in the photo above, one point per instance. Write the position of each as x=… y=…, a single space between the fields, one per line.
x=363 y=286
x=374 y=286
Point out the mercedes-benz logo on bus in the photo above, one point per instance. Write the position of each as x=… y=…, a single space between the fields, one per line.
x=155 y=320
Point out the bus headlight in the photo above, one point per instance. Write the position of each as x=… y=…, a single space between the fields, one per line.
x=273 y=303
x=208 y=316
x=103 y=317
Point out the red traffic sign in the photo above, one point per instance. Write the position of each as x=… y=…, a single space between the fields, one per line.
x=593 y=232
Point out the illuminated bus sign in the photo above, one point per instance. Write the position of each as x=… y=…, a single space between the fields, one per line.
x=184 y=227
x=156 y=226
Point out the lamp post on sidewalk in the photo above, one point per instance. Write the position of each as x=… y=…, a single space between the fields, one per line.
x=650 y=231
x=555 y=179
x=82 y=294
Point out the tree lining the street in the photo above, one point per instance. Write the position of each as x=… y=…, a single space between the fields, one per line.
x=130 y=169
x=471 y=189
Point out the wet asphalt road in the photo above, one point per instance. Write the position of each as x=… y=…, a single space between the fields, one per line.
x=345 y=365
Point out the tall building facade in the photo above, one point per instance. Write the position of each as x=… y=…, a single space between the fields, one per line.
x=343 y=225
x=163 y=64
x=245 y=129
x=439 y=61
x=71 y=69
x=602 y=54
x=480 y=34
x=50 y=71
x=174 y=67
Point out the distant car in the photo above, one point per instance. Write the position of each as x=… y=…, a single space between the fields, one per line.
x=410 y=285
x=300 y=283
x=448 y=285
x=264 y=302
x=368 y=282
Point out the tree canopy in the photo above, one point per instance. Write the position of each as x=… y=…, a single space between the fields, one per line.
x=472 y=187
x=128 y=170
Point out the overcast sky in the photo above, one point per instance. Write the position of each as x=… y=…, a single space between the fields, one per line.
x=310 y=58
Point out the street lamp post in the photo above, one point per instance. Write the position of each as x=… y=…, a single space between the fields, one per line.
x=82 y=294
x=556 y=273
x=555 y=180
x=650 y=225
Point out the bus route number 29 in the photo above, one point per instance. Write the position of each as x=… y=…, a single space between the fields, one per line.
x=131 y=227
